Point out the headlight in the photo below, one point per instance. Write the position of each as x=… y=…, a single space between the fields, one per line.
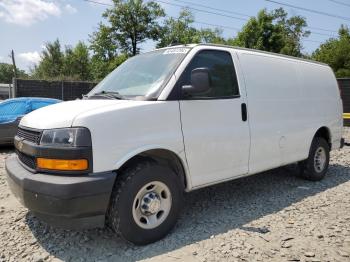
x=66 y=137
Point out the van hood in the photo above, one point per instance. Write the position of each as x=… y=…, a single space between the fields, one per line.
x=63 y=114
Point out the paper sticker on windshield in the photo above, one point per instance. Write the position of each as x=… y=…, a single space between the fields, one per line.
x=176 y=51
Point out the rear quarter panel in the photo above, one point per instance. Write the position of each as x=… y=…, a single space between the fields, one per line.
x=288 y=101
x=320 y=95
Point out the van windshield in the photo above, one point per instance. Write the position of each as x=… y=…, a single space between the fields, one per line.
x=141 y=76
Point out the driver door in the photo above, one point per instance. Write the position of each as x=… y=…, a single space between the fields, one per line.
x=216 y=134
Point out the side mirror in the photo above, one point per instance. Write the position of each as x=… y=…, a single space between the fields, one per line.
x=200 y=82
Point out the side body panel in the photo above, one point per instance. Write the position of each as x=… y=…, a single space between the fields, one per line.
x=288 y=101
x=321 y=94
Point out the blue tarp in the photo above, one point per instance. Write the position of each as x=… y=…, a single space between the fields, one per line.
x=7 y=119
x=11 y=109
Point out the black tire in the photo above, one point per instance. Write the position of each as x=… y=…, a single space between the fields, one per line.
x=120 y=214
x=307 y=168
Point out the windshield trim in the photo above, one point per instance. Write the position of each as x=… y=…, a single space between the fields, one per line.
x=166 y=81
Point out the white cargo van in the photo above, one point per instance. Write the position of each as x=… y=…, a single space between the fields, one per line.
x=171 y=121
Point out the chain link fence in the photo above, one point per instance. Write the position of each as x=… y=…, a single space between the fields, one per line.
x=64 y=90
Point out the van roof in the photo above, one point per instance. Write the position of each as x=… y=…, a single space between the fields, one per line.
x=251 y=50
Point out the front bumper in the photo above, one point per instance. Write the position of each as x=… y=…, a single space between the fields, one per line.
x=71 y=202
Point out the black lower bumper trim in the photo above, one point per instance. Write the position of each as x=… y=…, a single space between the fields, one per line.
x=64 y=201
x=97 y=221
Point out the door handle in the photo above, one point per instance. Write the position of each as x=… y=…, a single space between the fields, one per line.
x=244 y=112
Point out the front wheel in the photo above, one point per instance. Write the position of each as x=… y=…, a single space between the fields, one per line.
x=315 y=167
x=145 y=202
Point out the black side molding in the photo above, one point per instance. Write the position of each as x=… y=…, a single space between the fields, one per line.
x=244 y=112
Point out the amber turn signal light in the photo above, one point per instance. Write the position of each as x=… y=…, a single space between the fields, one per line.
x=62 y=164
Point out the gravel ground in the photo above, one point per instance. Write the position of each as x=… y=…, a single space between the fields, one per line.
x=272 y=216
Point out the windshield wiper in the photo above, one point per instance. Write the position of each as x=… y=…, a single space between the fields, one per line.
x=109 y=94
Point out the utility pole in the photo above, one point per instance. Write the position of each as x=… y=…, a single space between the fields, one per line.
x=14 y=79
x=14 y=64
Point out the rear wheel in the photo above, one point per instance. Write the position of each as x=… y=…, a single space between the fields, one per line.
x=145 y=202
x=315 y=167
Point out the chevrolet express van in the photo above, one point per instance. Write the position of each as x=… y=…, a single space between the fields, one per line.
x=168 y=122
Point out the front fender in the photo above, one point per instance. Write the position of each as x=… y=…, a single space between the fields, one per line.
x=181 y=156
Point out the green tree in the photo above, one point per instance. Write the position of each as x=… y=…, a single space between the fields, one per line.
x=105 y=49
x=181 y=30
x=132 y=22
x=76 y=63
x=51 y=63
x=6 y=73
x=336 y=53
x=273 y=32
x=103 y=44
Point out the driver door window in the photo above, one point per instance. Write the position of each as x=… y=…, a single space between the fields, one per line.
x=223 y=80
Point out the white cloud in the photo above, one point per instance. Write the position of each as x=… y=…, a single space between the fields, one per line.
x=30 y=57
x=70 y=9
x=27 y=12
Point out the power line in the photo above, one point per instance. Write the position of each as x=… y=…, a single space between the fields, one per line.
x=310 y=10
x=313 y=41
x=312 y=32
x=314 y=28
x=316 y=33
x=223 y=26
x=209 y=24
x=340 y=3
x=322 y=29
x=246 y=15
x=99 y=3
x=201 y=10
x=238 y=29
x=210 y=7
x=195 y=21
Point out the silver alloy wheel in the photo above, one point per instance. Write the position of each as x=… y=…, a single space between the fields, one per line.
x=320 y=159
x=152 y=205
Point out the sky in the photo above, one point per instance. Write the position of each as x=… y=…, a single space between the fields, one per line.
x=26 y=25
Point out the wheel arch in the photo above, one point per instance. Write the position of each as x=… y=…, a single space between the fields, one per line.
x=161 y=155
x=325 y=133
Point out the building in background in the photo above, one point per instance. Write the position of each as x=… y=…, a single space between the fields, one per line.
x=4 y=91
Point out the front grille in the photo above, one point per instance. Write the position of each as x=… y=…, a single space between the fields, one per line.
x=29 y=161
x=30 y=135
